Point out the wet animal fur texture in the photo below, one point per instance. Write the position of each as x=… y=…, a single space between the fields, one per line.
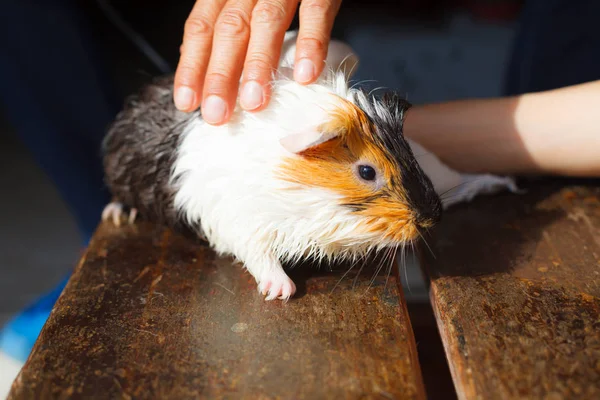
x=277 y=185
x=140 y=150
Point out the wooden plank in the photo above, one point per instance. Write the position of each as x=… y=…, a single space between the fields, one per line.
x=151 y=314
x=516 y=289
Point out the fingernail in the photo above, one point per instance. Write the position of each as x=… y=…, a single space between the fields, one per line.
x=214 y=110
x=304 y=71
x=184 y=98
x=252 y=96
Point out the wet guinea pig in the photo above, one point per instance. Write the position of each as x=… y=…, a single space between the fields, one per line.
x=324 y=171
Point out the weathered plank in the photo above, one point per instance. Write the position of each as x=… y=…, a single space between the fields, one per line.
x=516 y=289
x=151 y=314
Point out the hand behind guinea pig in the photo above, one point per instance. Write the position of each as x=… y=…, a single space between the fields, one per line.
x=223 y=37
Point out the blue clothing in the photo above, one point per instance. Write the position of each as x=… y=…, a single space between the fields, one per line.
x=557 y=44
x=58 y=98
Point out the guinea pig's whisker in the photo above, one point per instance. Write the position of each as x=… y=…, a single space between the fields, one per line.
x=356 y=261
x=413 y=250
x=351 y=70
x=393 y=253
x=459 y=185
x=340 y=65
x=403 y=266
x=362 y=266
x=390 y=265
x=452 y=188
x=384 y=260
x=377 y=270
x=361 y=82
x=376 y=89
x=450 y=196
x=426 y=244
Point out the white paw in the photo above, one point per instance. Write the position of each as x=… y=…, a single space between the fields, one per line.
x=276 y=285
x=114 y=211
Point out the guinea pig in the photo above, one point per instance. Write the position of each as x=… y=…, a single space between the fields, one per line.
x=322 y=172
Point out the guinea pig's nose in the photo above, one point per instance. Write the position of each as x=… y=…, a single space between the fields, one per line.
x=429 y=218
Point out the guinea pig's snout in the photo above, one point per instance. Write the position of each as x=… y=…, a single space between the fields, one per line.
x=427 y=218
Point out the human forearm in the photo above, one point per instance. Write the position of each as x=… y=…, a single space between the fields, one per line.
x=554 y=132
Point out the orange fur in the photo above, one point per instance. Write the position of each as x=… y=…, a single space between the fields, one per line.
x=330 y=166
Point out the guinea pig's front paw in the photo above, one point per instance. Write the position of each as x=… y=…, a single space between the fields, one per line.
x=276 y=285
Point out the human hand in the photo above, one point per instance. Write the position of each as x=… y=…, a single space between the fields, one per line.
x=223 y=38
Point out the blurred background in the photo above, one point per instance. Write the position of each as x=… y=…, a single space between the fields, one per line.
x=428 y=50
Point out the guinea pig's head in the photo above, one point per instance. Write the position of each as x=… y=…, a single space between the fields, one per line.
x=360 y=154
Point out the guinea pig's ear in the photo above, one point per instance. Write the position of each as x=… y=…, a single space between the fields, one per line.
x=304 y=140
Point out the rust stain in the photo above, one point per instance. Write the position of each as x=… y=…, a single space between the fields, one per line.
x=591 y=200
x=569 y=195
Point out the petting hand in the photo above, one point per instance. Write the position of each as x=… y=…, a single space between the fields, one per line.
x=223 y=38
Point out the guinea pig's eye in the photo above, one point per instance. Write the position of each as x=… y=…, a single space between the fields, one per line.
x=367 y=172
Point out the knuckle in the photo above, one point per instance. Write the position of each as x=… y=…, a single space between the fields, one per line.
x=269 y=13
x=233 y=22
x=197 y=26
x=185 y=47
x=259 y=63
x=218 y=83
x=312 y=44
x=186 y=68
x=319 y=7
x=187 y=75
x=190 y=59
x=216 y=80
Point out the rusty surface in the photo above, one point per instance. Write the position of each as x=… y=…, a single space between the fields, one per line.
x=516 y=289
x=150 y=314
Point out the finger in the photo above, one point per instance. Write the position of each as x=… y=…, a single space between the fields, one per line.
x=230 y=43
x=270 y=19
x=195 y=53
x=316 y=22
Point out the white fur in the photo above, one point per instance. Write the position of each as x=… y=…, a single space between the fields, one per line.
x=226 y=179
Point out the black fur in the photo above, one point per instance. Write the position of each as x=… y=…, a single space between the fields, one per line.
x=139 y=151
x=387 y=115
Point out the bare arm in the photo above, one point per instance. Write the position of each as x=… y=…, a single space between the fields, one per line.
x=553 y=132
